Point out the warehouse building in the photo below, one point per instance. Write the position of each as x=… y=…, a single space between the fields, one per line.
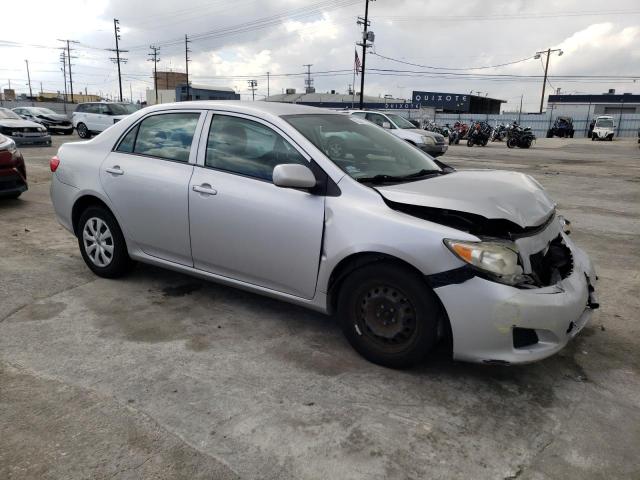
x=339 y=100
x=609 y=103
x=457 y=102
x=196 y=92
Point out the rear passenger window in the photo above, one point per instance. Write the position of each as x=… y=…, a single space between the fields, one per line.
x=168 y=136
x=127 y=143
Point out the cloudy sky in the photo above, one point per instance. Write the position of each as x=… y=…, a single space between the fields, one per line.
x=242 y=39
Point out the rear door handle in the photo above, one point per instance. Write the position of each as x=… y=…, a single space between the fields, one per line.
x=115 y=170
x=205 y=189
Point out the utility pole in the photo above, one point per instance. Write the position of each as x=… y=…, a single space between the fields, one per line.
x=520 y=111
x=117 y=59
x=186 y=61
x=63 y=60
x=268 y=94
x=154 y=58
x=29 y=80
x=366 y=37
x=130 y=93
x=308 y=83
x=253 y=85
x=67 y=42
x=548 y=53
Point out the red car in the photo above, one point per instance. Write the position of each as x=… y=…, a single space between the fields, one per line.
x=13 y=173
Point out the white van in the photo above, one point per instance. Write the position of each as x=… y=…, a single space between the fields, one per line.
x=604 y=128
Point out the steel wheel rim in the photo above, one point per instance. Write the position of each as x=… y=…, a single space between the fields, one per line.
x=98 y=242
x=386 y=316
x=82 y=129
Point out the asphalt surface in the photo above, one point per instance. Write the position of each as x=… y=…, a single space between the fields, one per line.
x=159 y=375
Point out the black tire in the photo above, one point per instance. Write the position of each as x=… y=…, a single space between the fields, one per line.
x=526 y=144
x=571 y=134
x=549 y=134
x=470 y=142
x=484 y=143
x=83 y=131
x=407 y=330
x=593 y=138
x=512 y=143
x=11 y=196
x=119 y=263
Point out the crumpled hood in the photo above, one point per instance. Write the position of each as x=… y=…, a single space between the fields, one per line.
x=493 y=194
x=55 y=117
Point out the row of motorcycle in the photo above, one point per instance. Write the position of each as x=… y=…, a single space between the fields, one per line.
x=481 y=133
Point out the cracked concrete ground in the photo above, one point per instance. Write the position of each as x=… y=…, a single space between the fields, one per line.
x=163 y=376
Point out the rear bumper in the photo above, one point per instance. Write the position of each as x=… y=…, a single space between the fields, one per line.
x=483 y=315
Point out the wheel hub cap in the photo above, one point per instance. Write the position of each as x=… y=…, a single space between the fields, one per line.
x=98 y=242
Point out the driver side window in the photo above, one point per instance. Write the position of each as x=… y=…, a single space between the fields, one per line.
x=376 y=118
x=247 y=148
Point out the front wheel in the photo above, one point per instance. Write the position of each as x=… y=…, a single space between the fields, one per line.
x=83 y=131
x=389 y=315
x=512 y=143
x=470 y=142
x=102 y=244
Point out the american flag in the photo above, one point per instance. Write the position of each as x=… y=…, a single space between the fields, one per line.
x=358 y=65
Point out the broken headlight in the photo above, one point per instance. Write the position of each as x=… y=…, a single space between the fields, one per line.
x=500 y=260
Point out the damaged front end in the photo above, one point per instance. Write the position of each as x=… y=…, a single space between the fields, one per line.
x=541 y=261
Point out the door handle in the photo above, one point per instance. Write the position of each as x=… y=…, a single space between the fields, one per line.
x=205 y=188
x=115 y=170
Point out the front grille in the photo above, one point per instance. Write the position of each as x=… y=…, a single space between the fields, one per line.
x=551 y=265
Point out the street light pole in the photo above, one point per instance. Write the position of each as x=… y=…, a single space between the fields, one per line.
x=548 y=53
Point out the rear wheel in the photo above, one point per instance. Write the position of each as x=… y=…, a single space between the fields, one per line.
x=470 y=142
x=83 y=131
x=102 y=244
x=389 y=315
x=549 y=134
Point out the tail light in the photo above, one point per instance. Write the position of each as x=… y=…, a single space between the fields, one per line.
x=53 y=163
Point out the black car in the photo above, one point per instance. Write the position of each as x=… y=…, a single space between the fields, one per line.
x=562 y=127
x=13 y=173
x=52 y=121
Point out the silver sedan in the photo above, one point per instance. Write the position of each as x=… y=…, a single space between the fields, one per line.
x=406 y=251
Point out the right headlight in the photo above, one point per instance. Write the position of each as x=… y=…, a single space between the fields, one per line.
x=498 y=259
x=428 y=140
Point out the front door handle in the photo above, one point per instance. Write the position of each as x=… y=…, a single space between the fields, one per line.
x=205 y=188
x=115 y=170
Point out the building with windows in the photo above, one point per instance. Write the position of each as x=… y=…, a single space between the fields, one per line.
x=339 y=100
x=196 y=92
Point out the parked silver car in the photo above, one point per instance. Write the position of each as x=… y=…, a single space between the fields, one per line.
x=405 y=250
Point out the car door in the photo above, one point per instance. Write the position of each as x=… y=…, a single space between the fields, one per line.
x=242 y=225
x=147 y=179
x=102 y=119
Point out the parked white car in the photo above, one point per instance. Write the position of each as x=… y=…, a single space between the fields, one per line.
x=429 y=142
x=406 y=251
x=604 y=128
x=94 y=117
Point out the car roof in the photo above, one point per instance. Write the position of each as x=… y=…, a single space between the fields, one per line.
x=245 y=106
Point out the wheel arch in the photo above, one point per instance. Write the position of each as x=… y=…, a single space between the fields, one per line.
x=81 y=204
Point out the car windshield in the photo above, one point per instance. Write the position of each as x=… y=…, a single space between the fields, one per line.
x=122 y=108
x=363 y=150
x=400 y=122
x=7 y=114
x=604 y=123
x=43 y=111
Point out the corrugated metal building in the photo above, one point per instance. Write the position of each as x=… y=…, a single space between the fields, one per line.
x=339 y=100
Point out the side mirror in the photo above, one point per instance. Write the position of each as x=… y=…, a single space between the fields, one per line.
x=386 y=125
x=293 y=175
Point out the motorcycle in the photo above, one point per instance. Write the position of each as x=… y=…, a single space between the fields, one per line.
x=499 y=133
x=431 y=126
x=518 y=136
x=458 y=132
x=479 y=134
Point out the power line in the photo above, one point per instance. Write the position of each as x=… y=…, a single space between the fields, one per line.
x=366 y=37
x=116 y=30
x=69 y=59
x=253 y=86
x=451 y=68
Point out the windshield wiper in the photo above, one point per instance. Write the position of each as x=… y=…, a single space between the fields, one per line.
x=423 y=173
x=380 y=179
